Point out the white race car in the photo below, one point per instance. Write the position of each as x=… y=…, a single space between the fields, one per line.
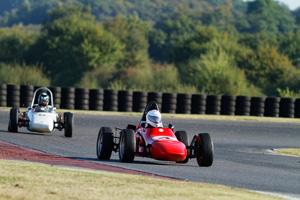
x=42 y=119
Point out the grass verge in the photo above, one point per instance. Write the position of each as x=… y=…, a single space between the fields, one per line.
x=24 y=180
x=288 y=152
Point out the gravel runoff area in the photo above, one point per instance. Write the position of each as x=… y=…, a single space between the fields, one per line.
x=9 y=151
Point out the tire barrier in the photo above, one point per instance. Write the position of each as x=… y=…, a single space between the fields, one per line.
x=287 y=107
x=3 y=95
x=140 y=100
x=199 y=103
x=68 y=98
x=257 y=106
x=228 y=105
x=157 y=97
x=297 y=108
x=243 y=105
x=213 y=104
x=96 y=99
x=13 y=95
x=110 y=100
x=56 y=91
x=184 y=103
x=128 y=101
x=125 y=101
x=26 y=95
x=169 y=103
x=272 y=107
x=82 y=96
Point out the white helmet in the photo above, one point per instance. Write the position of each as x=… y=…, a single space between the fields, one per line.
x=153 y=118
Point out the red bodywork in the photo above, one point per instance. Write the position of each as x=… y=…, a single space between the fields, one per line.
x=160 y=144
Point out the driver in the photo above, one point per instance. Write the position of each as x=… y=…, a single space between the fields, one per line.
x=153 y=119
x=43 y=101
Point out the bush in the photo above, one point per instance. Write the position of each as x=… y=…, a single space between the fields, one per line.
x=215 y=73
x=21 y=74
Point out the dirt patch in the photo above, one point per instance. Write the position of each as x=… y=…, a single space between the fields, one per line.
x=9 y=151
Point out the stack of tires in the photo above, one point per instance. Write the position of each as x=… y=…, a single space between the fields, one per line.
x=3 y=95
x=213 y=104
x=68 y=98
x=199 y=103
x=139 y=101
x=287 y=107
x=297 y=108
x=125 y=100
x=272 y=107
x=82 y=96
x=96 y=99
x=26 y=95
x=257 y=106
x=243 y=105
x=184 y=103
x=13 y=95
x=110 y=100
x=228 y=105
x=56 y=92
x=157 y=97
x=169 y=102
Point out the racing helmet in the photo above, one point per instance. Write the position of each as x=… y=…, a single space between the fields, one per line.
x=153 y=118
x=43 y=99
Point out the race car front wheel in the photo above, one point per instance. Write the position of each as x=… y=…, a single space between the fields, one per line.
x=104 y=143
x=69 y=122
x=127 y=145
x=13 y=120
x=204 y=149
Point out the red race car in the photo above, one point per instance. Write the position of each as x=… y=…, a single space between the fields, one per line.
x=151 y=140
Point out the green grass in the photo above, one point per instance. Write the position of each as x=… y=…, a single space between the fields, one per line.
x=288 y=152
x=24 y=180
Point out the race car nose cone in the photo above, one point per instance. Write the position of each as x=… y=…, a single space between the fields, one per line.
x=168 y=150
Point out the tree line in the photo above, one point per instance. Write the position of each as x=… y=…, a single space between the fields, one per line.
x=215 y=47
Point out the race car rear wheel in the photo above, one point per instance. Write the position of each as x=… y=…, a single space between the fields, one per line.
x=104 y=143
x=183 y=137
x=204 y=149
x=13 y=120
x=127 y=145
x=69 y=122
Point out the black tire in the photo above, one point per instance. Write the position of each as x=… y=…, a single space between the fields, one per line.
x=127 y=145
x=182 y=136
x=104 y=143
x=204 y=150
x=69 y=123
x=13 y=120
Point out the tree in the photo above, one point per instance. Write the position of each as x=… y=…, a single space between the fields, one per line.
x=290 y=46
x=268 y=16
x=269 y=70
x=15 y=44
x=72 y=43
x=132 y=32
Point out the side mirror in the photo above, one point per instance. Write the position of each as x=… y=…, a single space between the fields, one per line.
x=54 y=108
x=171 y=126
x=29 y=107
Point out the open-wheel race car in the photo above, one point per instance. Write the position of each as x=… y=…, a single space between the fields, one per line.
x=41 y=117
x=148 y=140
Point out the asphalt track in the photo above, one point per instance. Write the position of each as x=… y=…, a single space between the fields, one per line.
x=242 y=157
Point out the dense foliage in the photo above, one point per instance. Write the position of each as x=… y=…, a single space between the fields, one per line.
x=190 y=46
